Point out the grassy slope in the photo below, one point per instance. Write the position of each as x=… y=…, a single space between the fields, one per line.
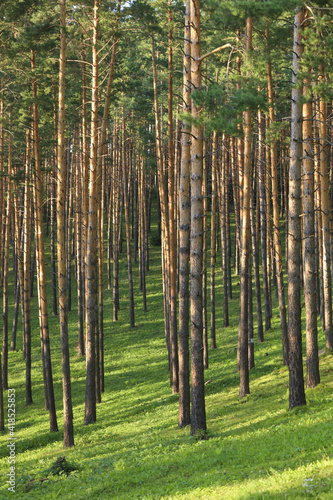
x=256 y=447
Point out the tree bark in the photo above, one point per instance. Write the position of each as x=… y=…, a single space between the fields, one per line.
x=198 y=413
x=309 y=267
x=326 y=210
x=184 y=417
x=213 y=242
x=61 y=240
x=296 y=379
x=244 y=387
x=90 y=397
x=276 y=221
x=40 y=261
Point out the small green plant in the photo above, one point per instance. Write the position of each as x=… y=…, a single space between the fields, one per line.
x=61 y=467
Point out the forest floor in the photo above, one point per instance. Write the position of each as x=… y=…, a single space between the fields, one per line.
x=255 y=447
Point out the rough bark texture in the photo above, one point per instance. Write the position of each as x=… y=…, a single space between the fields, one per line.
x=326 y=210
x=296 y=379
x=184 y=417
x=40 y=262
x=172 y=225
x=198 y=413
x=263 y=225
x=213 y=243
x=309 y=266
x=244 y=387
x=92 y=318
x=61 y=253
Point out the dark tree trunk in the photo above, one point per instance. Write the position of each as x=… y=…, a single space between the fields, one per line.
x=296 y=379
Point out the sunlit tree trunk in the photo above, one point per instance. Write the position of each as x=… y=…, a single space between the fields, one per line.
x=6 y=268
x=244 y=387
x=184 y=417
x=61 y=248
x=79 y=248
x=309 y=268
x=198 y=412
x=90 y=398
x=326 y=211
x=213 y=242
x=2 y=418
x=296 y=379
x=263 y=225
x=171 y=218
x=276 y=221
x=40 y=261
x=116 y=225
x=126 y=188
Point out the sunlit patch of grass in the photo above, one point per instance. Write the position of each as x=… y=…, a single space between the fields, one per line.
x=256 y=447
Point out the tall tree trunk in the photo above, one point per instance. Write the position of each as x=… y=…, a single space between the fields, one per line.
x=27 y=270
x=309 y=268
x=79 y=252
x=54 y=208
x=100 y=215
x=198 y=413
x=263 y=225
x=165 y=230
x=184 y=417
x=256 y=270
x=90 y=398
x=276 y=221
x=61 y=237
x=244 y=387
x=204 y=254
x=2 y=417
x=126 y=188
x=213 y=242
x=172 y=228
x=326 y=210
x=223 y=218
x=296 y=379
x=40 y=261
x=116 y=224
x=6 y=270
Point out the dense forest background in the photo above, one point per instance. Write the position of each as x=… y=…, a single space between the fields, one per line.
x=198 y=136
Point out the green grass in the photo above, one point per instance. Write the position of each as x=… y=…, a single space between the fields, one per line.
x=256 y=448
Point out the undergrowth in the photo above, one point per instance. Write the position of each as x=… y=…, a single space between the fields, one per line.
x=254 y=448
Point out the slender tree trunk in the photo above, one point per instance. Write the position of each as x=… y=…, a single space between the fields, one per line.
x=256 y=270
x=224 y=242
x=276 y=221
x=40 y=261
x=309 y=270
x=54 y=209
x=244 y=387
x=90 y=399
x=296 y=379
x=61 y=252
x=2 y=418
x=326 y=210
x=116 y=225
x=204 y=254
x=263 y=225
x=6 y=270
x=171 y=218
x=198 y=413
x=213 y=242
x=126 y=182
x=184 y=417
x=100 y=215
x=79 y=253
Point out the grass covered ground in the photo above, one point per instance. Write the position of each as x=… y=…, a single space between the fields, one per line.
x=256 y=448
